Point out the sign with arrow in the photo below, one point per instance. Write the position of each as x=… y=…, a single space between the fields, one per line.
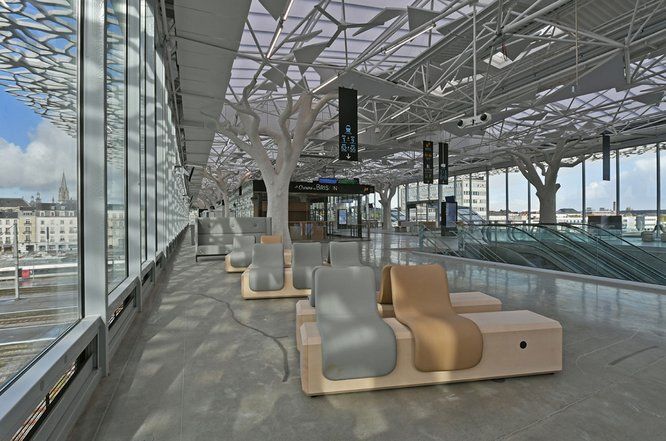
x=347 y=124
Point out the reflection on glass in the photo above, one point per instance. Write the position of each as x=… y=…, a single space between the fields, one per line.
x=116 y=207
x=39 y=298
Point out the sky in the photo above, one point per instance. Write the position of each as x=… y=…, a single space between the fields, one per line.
x=33 y=153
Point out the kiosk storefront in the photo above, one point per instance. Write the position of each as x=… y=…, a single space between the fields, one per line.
x=318 y=210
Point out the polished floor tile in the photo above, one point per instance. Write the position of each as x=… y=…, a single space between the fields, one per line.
x=202 y=364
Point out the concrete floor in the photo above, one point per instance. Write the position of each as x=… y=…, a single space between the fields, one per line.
x=202 y=364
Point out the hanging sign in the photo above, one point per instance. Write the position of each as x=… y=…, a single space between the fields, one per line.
x=443 y=163
x=347 y=125
x=605 y=152
x=427 y=162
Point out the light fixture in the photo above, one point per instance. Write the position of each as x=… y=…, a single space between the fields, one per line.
x=395 y=115
x=286 y=11
x=324 y=84
x=399 y=44
x=405 y=135
x=278 y=31
x=452 y=118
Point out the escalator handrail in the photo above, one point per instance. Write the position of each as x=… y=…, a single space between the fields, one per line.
x=620 y=238
x=613 y=264
x=494 y=256
x=642 y=266
x=475 y=240
x=553 y=254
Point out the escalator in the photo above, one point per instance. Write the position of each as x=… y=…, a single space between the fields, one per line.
x=579 y=249
x=614 y=256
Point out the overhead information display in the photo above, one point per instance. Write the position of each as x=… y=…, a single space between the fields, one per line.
x=443 y=163
x=347 y=125
x=428 y=153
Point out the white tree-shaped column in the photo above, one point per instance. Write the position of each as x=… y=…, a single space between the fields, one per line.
x=289 y=141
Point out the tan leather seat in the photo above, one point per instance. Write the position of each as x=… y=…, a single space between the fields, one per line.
x=275 y=238
x=384 y=296
x=443 y=340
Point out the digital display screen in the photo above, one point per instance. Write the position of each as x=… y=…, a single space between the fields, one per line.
x=428 y=162
x=342 y=217
x=444 y=163
x=347 y=124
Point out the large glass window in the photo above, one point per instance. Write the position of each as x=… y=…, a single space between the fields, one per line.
x=517 y=197
x=638 y=188
x=116 y=141
x=599 y=194
x=497 y=195
x=39 y=293
x=569 y=198
x=142 y=129
x=662 y=184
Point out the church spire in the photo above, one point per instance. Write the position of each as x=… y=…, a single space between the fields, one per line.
x=63 y=193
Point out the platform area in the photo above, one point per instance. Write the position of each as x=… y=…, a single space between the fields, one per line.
x=200 y=363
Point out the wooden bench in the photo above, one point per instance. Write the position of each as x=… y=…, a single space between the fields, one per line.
x=515 y=343
x=287 y=291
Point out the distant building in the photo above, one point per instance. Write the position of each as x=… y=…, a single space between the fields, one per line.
x=50 y=227
x=12 y=204
x=56 y=226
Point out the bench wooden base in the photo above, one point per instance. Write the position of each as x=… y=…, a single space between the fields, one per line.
x=504 y=335
x=288 y=290
x=228 y=267
x=463 y=303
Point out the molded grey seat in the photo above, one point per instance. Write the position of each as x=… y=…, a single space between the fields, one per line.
x=305 y=257
x=266 y=272
x=345 y=254
x=312 y=296
x=355 y=341
x=241 y=256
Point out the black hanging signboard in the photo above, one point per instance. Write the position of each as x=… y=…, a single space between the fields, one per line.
x=427 y=162
x=444 y=163
x=605 y=152
x=347 y=125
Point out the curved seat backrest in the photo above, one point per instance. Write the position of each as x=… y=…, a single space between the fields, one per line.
x=268 y=255
x=274 y=238
x=355 y=341
x=243 y=242
x=305 y=257
x=241 y=254
x=443 y=340
x=345 y=254
x=421 y=289
x=385 y=295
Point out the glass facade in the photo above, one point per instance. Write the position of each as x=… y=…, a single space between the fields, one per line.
x=497 y=196
x=600 y=195
x=636 y=192
x=41 y=141
x=39 y=256
x=116 y=141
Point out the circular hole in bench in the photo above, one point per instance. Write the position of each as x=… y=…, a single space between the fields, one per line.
x=523 y=344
